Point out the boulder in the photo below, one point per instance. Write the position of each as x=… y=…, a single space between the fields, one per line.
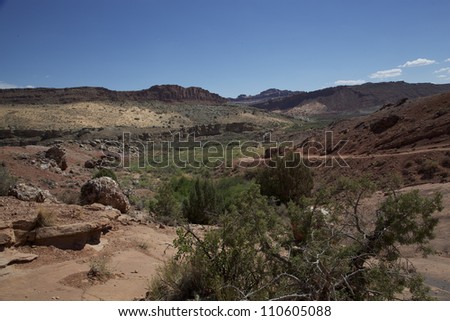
x=24 y=231
x=30 y=193
x=71 y=236
x=58 y=154
x=106 y=191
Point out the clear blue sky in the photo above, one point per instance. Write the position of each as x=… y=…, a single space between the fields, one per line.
x=228 y=47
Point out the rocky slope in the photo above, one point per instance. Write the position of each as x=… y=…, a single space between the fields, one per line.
x=351 y=100
x=410 y=140
x=422 y=122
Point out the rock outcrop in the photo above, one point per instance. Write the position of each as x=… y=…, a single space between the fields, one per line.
x=29 y=193
x=106 y=191
x=12 y=257
x=5 y=241
x=71 y=236
x=74 y=236
x=58 y=154
x=383 y=124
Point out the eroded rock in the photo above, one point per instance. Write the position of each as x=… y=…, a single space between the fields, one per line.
x=5 y=241
x=71 y=236
x=106 y=191
x=30 y=193
x=12 y=257
x=58 y=154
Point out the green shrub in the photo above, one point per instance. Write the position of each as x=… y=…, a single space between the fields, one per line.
x=202 y=206
x=428 y=169
x=166 y=207
x=105 y=172
x=287 y=179
x=254 y=254
x=229 y=188
x=228 y=261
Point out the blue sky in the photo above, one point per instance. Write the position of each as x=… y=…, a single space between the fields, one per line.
x=228 y=47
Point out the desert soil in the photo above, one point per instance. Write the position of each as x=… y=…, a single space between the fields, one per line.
x=133 y=251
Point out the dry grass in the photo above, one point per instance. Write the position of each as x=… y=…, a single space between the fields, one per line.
x=45 y=218
x=99 y=269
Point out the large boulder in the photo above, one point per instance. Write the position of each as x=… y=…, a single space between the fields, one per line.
x=71 y=236
x=30 y=193
x=58 y=154
x=106 y=191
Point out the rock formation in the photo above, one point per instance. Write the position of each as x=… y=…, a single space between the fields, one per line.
x=106 y=191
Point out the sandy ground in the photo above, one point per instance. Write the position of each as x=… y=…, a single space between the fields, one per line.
x=133 y=255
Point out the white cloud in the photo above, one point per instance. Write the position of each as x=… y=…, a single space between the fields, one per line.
x=442 y=70
x=418 y=62
x=4 y=85
x=349 y=82
x=29 y=87
x=447 y=60
x=442 y=76
x=386 y=73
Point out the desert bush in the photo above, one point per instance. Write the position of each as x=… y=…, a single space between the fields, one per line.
x=70 y=197
x=141 y=203
x=286 y=179
x=6 y=180
x=255 y=254
x=45 y=218
x=229 y=259
x=99 y=269
x=166 y=207
x=105 y=172
x=428 y=169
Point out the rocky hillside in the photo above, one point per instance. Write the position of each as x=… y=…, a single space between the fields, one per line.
x=165 y=93
x=264 y=96
x=351 y=100
x=423 y=122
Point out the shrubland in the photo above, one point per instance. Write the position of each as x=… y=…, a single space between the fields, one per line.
x=276 y=243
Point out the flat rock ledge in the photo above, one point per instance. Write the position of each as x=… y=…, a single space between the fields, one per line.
x=14 y=257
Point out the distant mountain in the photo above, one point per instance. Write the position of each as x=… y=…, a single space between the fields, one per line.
x=166 y=93
x=264 y=96
x=350 y=100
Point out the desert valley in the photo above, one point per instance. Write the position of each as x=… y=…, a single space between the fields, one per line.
x=85 y=216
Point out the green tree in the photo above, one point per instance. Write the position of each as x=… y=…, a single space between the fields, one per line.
x=202 y=204
x=166 y=206
x=286 y=178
